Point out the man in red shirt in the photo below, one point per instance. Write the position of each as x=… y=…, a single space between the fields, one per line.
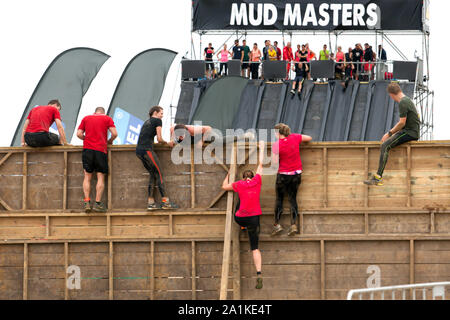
x=275 y=45
x=286 y=153
x=288 y=56
x=93 y=130
x=35 y=131
x=249 y=211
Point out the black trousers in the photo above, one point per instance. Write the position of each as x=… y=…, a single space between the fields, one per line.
x=397 y=139
x=223 y=65
x=254 y=70
x=253 y=228
x=151 y=163
x=287 y=185
x=41 y=139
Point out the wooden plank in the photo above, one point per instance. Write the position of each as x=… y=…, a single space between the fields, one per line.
x=65 y=182
x=194 y=272
x=6 y=157
x=227 y=233
x=236 y=263
x=432 y=222
x=25 y=271
x=170 y=225
x=110 y=174
x=217 y=198
x=322 y=270
x=325 y=177
x=108 y=225
x=24 y=181
x=152 y=270
x=4 y=204
x=47 y=226
x=366 y=175
x=66 y=266
x=192 y=178
x=366 y=223
x=411 y=262
x=408 y=176
x=111 y=271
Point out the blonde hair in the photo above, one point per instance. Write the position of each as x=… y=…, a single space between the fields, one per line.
x=394 y=88
x=283 y=129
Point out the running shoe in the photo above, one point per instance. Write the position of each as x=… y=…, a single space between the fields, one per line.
x=169 y=205
x=376 y=180
x=87 y=207
x=99 y=207
x=292 y=230
x=259 y=283
x=277 y=229
x=293 y=92
x=153 y=206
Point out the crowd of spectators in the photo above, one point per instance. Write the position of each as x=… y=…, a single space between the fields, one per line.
x=357 y=63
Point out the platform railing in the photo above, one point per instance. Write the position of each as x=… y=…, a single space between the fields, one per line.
x=438 y=291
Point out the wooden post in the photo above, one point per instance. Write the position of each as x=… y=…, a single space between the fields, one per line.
x=194 y=272
x=227 y=233
x=411 y=262
x=66 y=265
x=5 y=158
x=192 y=178
x=25 y=271
x=301 y=229
x=408 y=175
x=24 y=181
x=432 y=223
x=152 y=270
x=111 y=271
x=47 y=226
x=170 y=225
x=108 y=225
x=110 y=206
x=366 y=223
x=236 y=263
x=65 y=182
x=322 y=270
x=325 y=177
x=366 y=174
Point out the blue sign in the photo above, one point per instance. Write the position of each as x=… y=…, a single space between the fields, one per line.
x=128 y=127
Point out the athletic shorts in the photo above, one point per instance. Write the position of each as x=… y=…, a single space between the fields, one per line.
x=41 y=139
x=209 y=66
x=94 y=160
x=298 y=79
x=245 y=65
x=252 y=225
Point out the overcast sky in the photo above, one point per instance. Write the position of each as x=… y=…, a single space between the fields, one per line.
x=34 y=32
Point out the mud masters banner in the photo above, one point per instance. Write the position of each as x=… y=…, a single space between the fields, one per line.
x=307 y=15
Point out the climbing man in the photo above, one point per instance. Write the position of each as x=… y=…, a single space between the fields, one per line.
x=247 y=216
x=93 y=130
x=407 y=129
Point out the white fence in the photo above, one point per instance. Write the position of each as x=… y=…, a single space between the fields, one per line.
x=437 y=290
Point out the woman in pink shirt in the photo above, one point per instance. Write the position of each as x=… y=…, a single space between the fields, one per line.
x=255 y=58
x=247 y=216
x=286 y=152
x=223 y=58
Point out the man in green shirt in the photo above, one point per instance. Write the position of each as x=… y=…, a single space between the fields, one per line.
x=245 y=58
x=407 y=129
x=324 y=54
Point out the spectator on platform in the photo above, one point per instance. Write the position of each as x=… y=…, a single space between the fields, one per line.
x=340 y=56
x=357 y=57
x=324 y=54
x=208 y=55
x=311 y=56
x=368 y=58
x=93 y=130
x=255 y=58
x=286 y=154
x=275 y=45
x=237 y=50
x=303 y=55
x=223 y=56
x=35 y=131
x=289 y=57
x=272 y=53
x=249 y=209
x=266 y=50
x=245 y=58
x=297 y=53
x=348 y=67
x=382 y=53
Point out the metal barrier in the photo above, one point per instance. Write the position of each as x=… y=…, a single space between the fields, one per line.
x=438 y=290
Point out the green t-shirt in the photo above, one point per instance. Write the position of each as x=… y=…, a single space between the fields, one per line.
x=323 y=55
x=408 y=109
x=246 y=50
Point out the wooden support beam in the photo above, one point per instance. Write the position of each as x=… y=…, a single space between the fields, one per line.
x=236 y=263
x=227 y=233
x=24 y=181
x=217 y=198
x=152 y=270
x=366 y=223
x=325 y=177
x=65 y=182
x=111 y=271
x=432 y=222
x=47 y=226
x=110 y=172
x=192 y=178
x=108 y=225
x=5 y=205
x=170 y=224
x=220 y=163
x=302 y=228
x=25 y=271
x=5 y=158
x=194 y=272
x=66 y=266
x=366 y=174
x=411 y=262
x=408 y=175
x=322 y=270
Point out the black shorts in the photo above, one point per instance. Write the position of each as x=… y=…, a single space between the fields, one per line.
x=41 y=139
x=209 y=65
x=252 y=225
x=299 y=79
x=245 y=65
x=94 y=160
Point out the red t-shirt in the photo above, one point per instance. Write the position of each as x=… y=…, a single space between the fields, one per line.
x=249 y=191
x=95 y=129
x=288 y=150
x=41 y=118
